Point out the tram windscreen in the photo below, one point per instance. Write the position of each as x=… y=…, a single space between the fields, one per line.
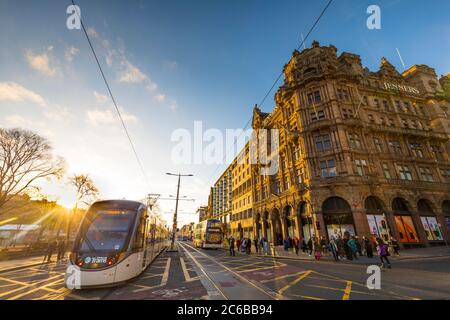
x=107 y=231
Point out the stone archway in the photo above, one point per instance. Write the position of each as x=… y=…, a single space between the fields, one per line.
x=289 y=221
x=277 y=228
x=430 y=224
x=404 y=221
x=379 y=224
x=338 y=217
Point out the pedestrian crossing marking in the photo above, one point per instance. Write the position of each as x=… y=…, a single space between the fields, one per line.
x=286 y=287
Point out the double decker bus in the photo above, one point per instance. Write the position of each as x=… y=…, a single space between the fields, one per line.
x=208 y=234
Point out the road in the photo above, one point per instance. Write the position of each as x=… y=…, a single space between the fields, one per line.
x=193 y=274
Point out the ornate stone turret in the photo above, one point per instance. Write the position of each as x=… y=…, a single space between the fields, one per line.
x=388 y=71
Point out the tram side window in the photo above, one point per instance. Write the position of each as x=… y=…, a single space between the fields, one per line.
x=140 y=235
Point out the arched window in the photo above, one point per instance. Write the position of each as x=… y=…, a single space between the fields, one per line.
x=376 y=219
x=338 y=217
x=403 y=221
x=429 y=221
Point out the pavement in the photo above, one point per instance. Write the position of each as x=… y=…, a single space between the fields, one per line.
x=197 y=274
x=419 y=253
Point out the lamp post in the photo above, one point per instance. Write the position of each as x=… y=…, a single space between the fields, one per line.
x=175 y=215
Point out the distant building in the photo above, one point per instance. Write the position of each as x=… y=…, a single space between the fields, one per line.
x=202 y=213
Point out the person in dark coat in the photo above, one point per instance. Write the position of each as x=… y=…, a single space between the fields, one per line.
x=368 y=247
x=304 y=246
x=52 y=245
x=310 y=246
x=358 y=246
x=248 y=246
x=231 y=241
x=61 y=249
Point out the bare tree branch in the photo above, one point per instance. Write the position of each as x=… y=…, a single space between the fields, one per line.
x=25 y=158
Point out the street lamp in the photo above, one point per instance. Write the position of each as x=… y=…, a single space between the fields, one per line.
x=174 y=227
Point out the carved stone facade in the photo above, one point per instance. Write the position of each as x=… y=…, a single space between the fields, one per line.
x=360 y=151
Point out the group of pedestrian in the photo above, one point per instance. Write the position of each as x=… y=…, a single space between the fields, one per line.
x=57 y=246
x=348 y=247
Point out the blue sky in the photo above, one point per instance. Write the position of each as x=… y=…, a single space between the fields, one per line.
x=170 y=63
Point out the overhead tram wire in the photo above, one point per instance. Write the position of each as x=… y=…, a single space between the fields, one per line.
x=114 y=101
x=279 y=77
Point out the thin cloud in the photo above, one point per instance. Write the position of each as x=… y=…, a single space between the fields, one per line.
x=43 y=62
x=127 y=72
x=160 y=97
x=101 y=98
x=14 y=92
x=70 y=53
x=101 y=117
x=131 y=74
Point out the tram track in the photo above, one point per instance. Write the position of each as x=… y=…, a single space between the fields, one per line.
x=266 y=291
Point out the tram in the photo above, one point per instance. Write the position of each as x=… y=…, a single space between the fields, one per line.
x=208 y=234
x=116 y=242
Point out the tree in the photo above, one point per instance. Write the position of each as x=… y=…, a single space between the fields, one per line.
x=86 y=193
x=25 y=159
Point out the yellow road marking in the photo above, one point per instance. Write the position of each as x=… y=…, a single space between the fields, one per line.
x=307 y=297
x=166 y=273
x=26 y=285
x=347 y=291
x=282 y=277
x=185 y=271
x=286 y=287
x=38 y=288
x=261 y=268
x=338 y=289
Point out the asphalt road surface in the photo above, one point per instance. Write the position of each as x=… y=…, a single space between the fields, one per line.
x=193 y=273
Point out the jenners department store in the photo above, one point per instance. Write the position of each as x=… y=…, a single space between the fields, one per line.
x=360 y=151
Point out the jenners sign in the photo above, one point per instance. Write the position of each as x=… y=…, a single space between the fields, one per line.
x=399 y=87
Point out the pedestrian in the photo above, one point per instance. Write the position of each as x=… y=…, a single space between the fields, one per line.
x=368 y=247
x=395 y=246
x=317 y=249
x=340 y=247
x=358 y=246
x=304 y=246
x=249 y=246
x=261 y=244
x=61 y=250
x=310 y=246
x=296 y=244
x=256 y=241
x=352 y=243
x=231 y=242
x=286 y=244
x=333 y=249
x=51 y=247
x=243 y=245
x=347 y=249
x=238 y=244
x=382 y=250
x=323 y=245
